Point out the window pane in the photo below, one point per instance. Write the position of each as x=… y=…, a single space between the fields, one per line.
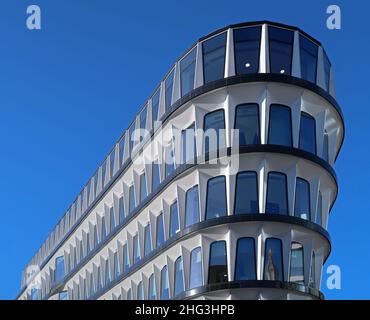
x=214 y=58
x=156 y=180
x=280 y=130
x=155 y=107
x=152 y=294
x=143 y=123
x=126 y=261
x=192 y=207
x=117 y=270
x=112 y=220
x=143 y=188
x=277 y=198
x=307 y=133
x=147 y=240
x=273 y=269
x=129 y=294
x=302 y=199
x=140 y=291
x=136 y=248
x=216 y=198
x=174 y=219
x=327 y=66
x=281 y=46
x=311 y=282
x=325 y=147
x=196 y=270
x=247 y=121
x=246 y=198
x=168 y=90
x=319 y=210
x=107 y=274
x=217 y=263
x=170 y=161
x=296 y=273
x=245 y=266
x=63 y=295
x=59 y=269
x=308 y=59
x=121 y=210
x=187 y=67
x=132 y=202
x=179 y=276
x=247 y=49
x=214 y=126
x=188 y=144
x=131 y=137
x=165 y=290
x=160 y=230
x=103 y=229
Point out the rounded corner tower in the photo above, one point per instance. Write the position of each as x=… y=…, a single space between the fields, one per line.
x=245 y=218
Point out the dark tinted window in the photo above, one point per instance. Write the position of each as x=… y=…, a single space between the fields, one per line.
x=192 y=206
x=280 y=129
x=307 y=133
x=187 y=67
x=281 y=46
x=168 y=85
x=247 y=49
x=217 y=263
x=245 y=266
x=327 y=66
x=247 y=121
x=308 y=59
x=214 y=58
x=302 y=199
x=214 y=125
x=277 y=197
x=246 y=197
x=273 y=268
x=216 y=198
x=325 y=147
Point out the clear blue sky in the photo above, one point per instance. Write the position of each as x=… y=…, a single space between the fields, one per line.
x=68 y=91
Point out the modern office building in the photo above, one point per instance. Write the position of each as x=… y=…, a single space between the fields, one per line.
x=170 y=215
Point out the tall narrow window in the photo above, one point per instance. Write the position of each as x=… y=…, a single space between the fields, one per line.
x=168 y=85
x=121 y=210
x=196 y=270
x=179 y=276
x=245 y=265
x=117 y=270
x=131 y=199
x=142 y=119
x=217 y=272
x=214 y=131
x=170 y=160
x=188 y=144
x=136 y=247
x=302 y=199
x=165 y=289
x=129 y=294
x=152 y=293
x=63 y=295
x=59 y=269
x=216 y=205
x=187 y=67
x=121 y=155
x=280 y=129
x=246 y=197
x=160 y=230
x=281 y=48
x=277 y=196
x=96 y=236
x=327 y=66
x=155 y=107
x=140 y=291
x=112 y=220
x=247 y=49
x=307 y=133
x=156 y=180
x=296 y=273
x=99 y=282
x=132 y=137
x=308 y=59
x=147 y=240
x=192 y=206
x=214 y=58
x=312 y=281
x=92 y=285
x=247 y=122
x=143 y=188
x=174 y=219
x=325 y=147
x=107 y=273
x=126 y=259
x=103 y=229
x=273 y=262
x=319 y=210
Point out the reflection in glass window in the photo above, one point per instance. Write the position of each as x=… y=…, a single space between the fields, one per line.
x=142 y=119
x=179 y=276
x=143 y=188
x=117 y=270
x=126 y=259
x=188 y=144
x=325 y=147
x=152 y=294
x=296 y=273
x=196 y=270
x=217 y=263
x=216 y=198
x=99 y=282
x=156 y=179
x=327 y=66
x=140 y=291
x=107 y=273
x=121 y=210
x=280 y=129
x=214 y=127
x=187 y=68
x=132 y=136
x=147 y=240
x=165 y=289
x=174 y=219
x=307 y=133
x=281 y=47
x=155 y=107
x=273 y=268
x=35 y=294
x=319 y=210
x=103 y=229
x=168 y=85
x=96 y=236
x=247 y=49
x=308 y=59
x=302 y=199
x=121 y=154
x=247 y=122
x=246 y=197
x=63 y=295
x=245 y=265
x=92 y=285
x=129 y=294
x=131 y=199
x=112 y=220
x=59 y=269
x=160 y=230
x=277 y=197
x=170 y=161
x=192 y=206
x=136 y=248
x=311 y=282
x=214 y=58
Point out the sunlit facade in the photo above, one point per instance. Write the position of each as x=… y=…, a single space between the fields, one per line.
x=246 y=219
